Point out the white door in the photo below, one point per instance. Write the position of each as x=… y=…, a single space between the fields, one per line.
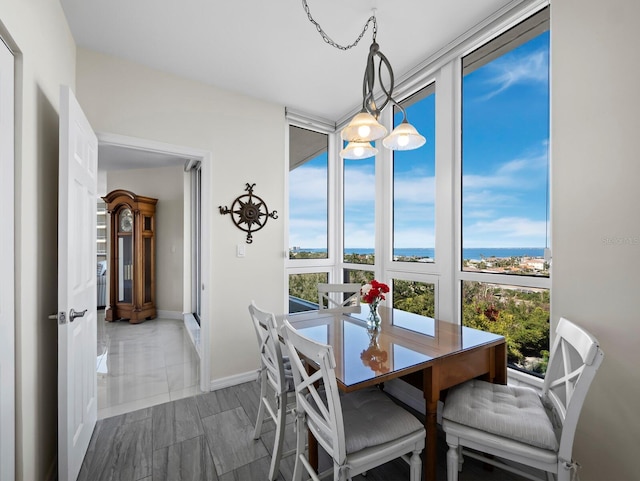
x=7 y=311
x=77 y=382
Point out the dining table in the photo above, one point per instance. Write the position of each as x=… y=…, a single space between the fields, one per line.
x=429 y=354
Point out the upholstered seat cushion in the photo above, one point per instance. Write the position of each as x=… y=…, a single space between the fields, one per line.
x=372 y=419
x=513 y=412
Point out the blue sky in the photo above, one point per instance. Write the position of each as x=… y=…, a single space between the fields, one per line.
x=505 y=164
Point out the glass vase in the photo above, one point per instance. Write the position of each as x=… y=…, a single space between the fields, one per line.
x=373 y=319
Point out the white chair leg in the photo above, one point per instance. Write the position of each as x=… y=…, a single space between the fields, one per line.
x=279 y=440
x=300 y=447
x=453 y=460
x=263 y=392
x=415 y=466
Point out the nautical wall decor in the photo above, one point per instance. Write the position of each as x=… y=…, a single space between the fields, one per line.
x=249 y=212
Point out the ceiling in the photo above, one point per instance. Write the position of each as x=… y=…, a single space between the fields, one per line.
x=268 y=49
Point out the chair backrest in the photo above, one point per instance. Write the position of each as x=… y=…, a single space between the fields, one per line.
x=271 y=361
x=573 y=362
x=322 y=408
x=339 y=297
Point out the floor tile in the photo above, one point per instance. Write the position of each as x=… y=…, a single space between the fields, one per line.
x=230 y=436
x=188 y=460
x=186 y=392
x=118 y=451
x=257 y=470
x=175 y=421
x=180 y=376
x=114 y=389
x=124 y=408
x=216 y=401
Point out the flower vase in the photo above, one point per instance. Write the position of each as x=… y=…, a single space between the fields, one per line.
x=373 y=320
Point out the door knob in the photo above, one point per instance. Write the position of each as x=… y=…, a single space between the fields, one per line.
x=73 y=314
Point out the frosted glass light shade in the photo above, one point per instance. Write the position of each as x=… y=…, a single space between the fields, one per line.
x=358 y=150
x=363 y=128
x=404 y=137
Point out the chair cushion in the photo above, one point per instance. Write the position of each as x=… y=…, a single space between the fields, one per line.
x=371 y=419
x=513 y=412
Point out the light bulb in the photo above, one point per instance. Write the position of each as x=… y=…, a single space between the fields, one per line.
x=403 y=140
x=358 y=151
x=364 y=131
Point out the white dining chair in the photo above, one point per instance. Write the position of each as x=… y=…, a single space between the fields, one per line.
x=519 y=424
x=276 y=383
x=339 y=297
x=359 y=430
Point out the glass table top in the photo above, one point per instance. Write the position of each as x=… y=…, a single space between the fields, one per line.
x=405 y=342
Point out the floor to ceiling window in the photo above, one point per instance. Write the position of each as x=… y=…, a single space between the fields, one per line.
x=308 y=216
x=359 y=213
x=505 y=190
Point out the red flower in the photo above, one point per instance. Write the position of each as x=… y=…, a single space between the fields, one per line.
x=374 y=292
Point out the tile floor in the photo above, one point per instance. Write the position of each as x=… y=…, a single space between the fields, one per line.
x=142 y=365
x=210 y=437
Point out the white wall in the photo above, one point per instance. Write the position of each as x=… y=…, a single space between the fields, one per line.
x=38 y=31
x=246 y=139
x=596 y=222
x=166 y=185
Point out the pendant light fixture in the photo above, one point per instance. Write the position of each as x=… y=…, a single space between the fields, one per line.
x=364 y=128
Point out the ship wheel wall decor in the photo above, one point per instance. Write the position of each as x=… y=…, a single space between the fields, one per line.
x=249 y=212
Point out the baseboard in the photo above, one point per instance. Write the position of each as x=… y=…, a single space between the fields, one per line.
x=169 y=314
x=233 y=380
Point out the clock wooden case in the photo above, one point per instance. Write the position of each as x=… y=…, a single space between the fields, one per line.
x=132 y=263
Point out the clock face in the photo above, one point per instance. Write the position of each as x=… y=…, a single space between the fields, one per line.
x=126 y=220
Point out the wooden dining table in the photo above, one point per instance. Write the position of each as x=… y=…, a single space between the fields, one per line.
x=432 y=355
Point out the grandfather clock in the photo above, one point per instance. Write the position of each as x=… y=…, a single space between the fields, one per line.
x=132 y=263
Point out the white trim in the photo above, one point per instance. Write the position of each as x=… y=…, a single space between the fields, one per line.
x=233 y=380
x=307 y=121
x=7 y=265
x=206 y=159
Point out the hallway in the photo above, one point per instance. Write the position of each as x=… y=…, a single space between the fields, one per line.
x=143 y=365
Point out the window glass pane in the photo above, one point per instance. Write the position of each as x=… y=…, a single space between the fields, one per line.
x=414 y=184
x=413 y=296
x=125 y=268
x=355 y=275
x=308 y=194
x=505 y=162
x=359 y=210
x=303 y=290
x=520 y=314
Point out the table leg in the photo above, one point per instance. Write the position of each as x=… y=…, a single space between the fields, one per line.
x=430 y=451
x=431 y=396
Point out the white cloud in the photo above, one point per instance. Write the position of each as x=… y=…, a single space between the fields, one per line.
x=509 y=70
x=415 y=190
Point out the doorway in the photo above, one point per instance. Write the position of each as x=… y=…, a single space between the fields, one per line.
x=156 y=164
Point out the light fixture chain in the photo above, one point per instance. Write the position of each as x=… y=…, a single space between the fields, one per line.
x=327 y=39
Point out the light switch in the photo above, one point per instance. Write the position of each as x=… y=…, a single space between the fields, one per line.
x=240 y=250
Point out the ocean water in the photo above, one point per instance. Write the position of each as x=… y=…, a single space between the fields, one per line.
x=475 y=253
